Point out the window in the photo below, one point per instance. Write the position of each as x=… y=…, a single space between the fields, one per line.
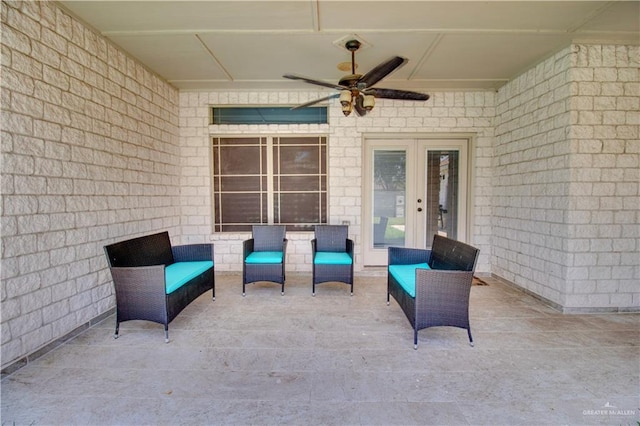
x=269 y=179
x=268 y=115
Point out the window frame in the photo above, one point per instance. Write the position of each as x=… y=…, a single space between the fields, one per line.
x=270 y=178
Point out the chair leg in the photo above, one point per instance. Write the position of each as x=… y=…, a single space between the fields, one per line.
x=415 y=339
x=470 y=338
x=313 y=289
x=282 y=290
x=352 y=288
x=243 y=290
x=166 y=333
x=115 y=334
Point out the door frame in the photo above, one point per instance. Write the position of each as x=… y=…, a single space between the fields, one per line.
x=403 y=140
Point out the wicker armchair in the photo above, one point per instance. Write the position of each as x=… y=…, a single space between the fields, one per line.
x=264 y=256
x=442 y=277
x=332 y=255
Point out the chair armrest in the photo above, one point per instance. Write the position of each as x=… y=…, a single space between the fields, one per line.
x=139 y=281
x=350 y=246
x=443 y=284
x=407 y=256
x=192 y=252
x=284 y=247
x=247 y=247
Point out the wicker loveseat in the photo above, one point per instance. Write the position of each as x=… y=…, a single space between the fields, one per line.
x=155 y=281
x=432 y=286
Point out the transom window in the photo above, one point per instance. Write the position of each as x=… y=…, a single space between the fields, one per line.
x=269 y=179
x=268 y=115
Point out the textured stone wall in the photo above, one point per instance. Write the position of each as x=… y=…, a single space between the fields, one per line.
x=89 y=156
x=446 y=113
x=604 y=210
x=532 y=176
x=566 y=224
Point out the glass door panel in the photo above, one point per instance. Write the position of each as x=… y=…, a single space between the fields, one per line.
x=442 y=193
x=389 y=194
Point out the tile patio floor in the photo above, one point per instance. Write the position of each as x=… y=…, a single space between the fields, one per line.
x=337 y=360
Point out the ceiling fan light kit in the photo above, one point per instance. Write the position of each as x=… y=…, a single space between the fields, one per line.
x=356 y=90
x=369 y=102
x=345 y=101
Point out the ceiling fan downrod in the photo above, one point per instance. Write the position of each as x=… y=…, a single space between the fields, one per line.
x=352 y=46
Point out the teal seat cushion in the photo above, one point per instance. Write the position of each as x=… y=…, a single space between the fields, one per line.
x=264 y=257
x=179 y=273
x=332 y=258
x=406 y=276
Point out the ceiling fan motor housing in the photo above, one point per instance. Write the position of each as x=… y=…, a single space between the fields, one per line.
x=352 y=45
x=349 y=80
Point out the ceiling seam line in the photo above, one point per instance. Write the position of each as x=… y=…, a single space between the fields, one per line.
x=349 y=30
x=325 y=89
x=315 y=15
x=589 y=17
x=213 y=56
x=426 y=54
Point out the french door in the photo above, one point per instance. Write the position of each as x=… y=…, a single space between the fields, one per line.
x=414 y=188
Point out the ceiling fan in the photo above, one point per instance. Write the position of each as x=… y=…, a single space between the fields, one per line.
x=356 y=90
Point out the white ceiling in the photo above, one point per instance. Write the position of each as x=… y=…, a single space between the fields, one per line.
x=453 y=45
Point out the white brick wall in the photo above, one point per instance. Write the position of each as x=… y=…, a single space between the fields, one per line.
x=531 y=178
x=604 y=219
x=566 y=223
x=89 y=156
x=444 y=113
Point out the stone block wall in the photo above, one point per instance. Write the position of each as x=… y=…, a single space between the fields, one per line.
x=446 y=113
x=89 y=156
x=603 y=221
x=531 y=180
x=566 y=221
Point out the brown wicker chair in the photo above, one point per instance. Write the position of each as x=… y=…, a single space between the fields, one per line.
x=332 y=255
x=442 y=277
x=264 y=256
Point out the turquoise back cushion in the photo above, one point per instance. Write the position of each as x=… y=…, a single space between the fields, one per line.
x=406 y=276
x=332 y=258
x=179 y=273
x=264 y=257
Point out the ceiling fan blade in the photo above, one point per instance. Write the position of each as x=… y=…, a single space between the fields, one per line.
x=404 y=95
x=359 y=106
x=381 y=71
x=336 y=95
x=312 y=81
